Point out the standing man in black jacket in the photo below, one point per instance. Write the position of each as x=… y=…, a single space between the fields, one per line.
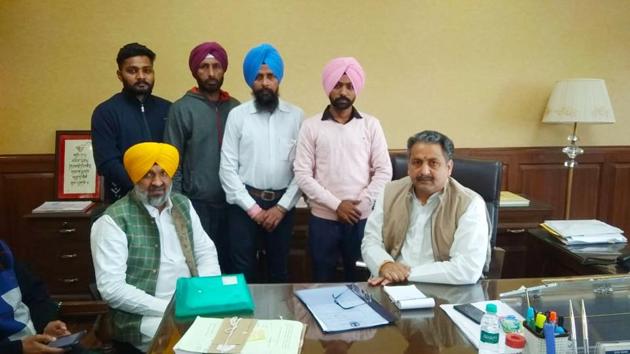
x=127 y=118
x=195 y=127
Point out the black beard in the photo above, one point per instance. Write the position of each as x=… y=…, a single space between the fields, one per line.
x=136 y=91
x=341 y=103
x=266 y=100
x=210 y=85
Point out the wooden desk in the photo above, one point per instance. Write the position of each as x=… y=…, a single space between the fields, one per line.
x=416 y=331
x=512 y=235
x=549 y=257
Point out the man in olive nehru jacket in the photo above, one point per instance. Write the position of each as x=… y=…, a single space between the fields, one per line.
x=144 y=242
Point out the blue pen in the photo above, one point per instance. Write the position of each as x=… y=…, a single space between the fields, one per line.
x=550 y=338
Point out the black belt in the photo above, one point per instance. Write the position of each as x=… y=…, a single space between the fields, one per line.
x=266 y=195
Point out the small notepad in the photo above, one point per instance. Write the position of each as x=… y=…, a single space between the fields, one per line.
x=407 y=297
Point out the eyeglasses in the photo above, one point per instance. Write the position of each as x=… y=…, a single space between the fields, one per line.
x=363 y=296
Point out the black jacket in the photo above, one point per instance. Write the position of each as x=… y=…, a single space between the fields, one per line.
x=117 y=124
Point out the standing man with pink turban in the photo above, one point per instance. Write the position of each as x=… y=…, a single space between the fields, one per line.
x=342 y=164
x=143 y=243
x=195 y=126
x=257 y=168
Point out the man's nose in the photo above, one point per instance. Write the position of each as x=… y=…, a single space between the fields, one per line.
x=157 y=181
x=266 y=82
x=425 y=170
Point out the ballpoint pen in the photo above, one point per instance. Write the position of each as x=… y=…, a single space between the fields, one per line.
x=573 y=334
x=584 y=329
x=527 y=297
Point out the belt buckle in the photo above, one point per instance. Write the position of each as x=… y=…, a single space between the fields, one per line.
x=267 y=195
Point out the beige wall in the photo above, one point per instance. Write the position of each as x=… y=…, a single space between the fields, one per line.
x=480 y=71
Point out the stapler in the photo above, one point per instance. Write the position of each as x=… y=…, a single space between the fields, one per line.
x=624 y=261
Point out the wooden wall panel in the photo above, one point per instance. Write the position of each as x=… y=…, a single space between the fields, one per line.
x=25 y=182
x=618 y=195
x=601 y=182
x=545 y=183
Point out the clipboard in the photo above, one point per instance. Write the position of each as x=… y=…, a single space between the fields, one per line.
x=344 y=308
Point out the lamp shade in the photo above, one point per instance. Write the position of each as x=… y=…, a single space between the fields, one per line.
x=579 y=101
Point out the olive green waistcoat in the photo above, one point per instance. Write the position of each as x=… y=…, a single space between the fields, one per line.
x=143 y=262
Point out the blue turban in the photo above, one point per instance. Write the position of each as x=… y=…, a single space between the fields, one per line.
x=257 y=56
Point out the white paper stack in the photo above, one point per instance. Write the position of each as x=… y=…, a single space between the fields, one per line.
x=407 y=297
x=575 y=232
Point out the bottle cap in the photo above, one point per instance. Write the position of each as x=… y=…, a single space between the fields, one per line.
x=514 y=340
x=491 y=308
x=553 y=317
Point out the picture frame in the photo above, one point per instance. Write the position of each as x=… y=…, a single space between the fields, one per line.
x=76 y=177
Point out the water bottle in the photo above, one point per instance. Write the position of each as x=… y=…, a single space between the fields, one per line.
x=489 y=340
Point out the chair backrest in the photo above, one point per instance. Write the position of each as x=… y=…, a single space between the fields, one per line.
x=482 y=176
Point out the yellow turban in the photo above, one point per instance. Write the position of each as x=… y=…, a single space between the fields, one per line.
x=140 y=158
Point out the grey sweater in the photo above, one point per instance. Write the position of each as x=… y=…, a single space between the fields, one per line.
x=195 y=127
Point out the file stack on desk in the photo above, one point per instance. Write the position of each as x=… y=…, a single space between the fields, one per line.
x=407 y=297
x=208 y=335
x=576 y=232
x=509 y=199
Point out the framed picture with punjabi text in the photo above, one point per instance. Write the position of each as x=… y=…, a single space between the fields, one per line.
x=75 y=171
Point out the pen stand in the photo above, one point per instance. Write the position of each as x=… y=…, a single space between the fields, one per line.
x=535 y=342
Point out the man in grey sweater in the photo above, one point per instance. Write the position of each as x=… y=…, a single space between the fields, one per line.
x=195 y=127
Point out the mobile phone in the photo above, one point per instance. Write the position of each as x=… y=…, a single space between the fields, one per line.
x=67 y=342
x=470 y=311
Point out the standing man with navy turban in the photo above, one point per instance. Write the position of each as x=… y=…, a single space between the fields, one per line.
x=257 y=168
x=342 y=165
x=195 y=126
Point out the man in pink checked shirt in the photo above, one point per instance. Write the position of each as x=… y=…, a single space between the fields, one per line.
x=341 y=165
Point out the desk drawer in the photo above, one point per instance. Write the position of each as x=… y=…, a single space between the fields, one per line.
x=57 y=229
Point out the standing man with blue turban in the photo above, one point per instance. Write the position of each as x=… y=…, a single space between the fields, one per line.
x=342 y=165
x=257 y=168
x=195 y=127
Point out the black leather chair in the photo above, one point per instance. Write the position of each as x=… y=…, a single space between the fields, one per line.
x=482 y=176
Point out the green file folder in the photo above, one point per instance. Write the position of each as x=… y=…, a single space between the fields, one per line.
x=213 y=296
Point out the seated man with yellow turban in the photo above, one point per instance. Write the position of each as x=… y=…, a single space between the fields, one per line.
x=144 y=242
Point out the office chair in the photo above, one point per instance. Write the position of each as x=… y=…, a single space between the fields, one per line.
x=482 y=176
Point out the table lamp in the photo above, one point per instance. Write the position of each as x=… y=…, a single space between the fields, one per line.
x=577 y=101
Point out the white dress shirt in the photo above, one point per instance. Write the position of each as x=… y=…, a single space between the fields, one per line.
x=467 y=253
x=258 y=150
x=110 y=252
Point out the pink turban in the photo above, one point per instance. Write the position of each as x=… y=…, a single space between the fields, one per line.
x=200 y=52
x=334 y=70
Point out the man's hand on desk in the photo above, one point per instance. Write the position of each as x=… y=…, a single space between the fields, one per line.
x=391 y=272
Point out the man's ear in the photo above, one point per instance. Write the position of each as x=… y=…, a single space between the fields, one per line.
x=449 y=164
x=119 y=74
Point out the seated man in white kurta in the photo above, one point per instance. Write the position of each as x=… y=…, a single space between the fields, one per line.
x=144 y=242
x=427 y=227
